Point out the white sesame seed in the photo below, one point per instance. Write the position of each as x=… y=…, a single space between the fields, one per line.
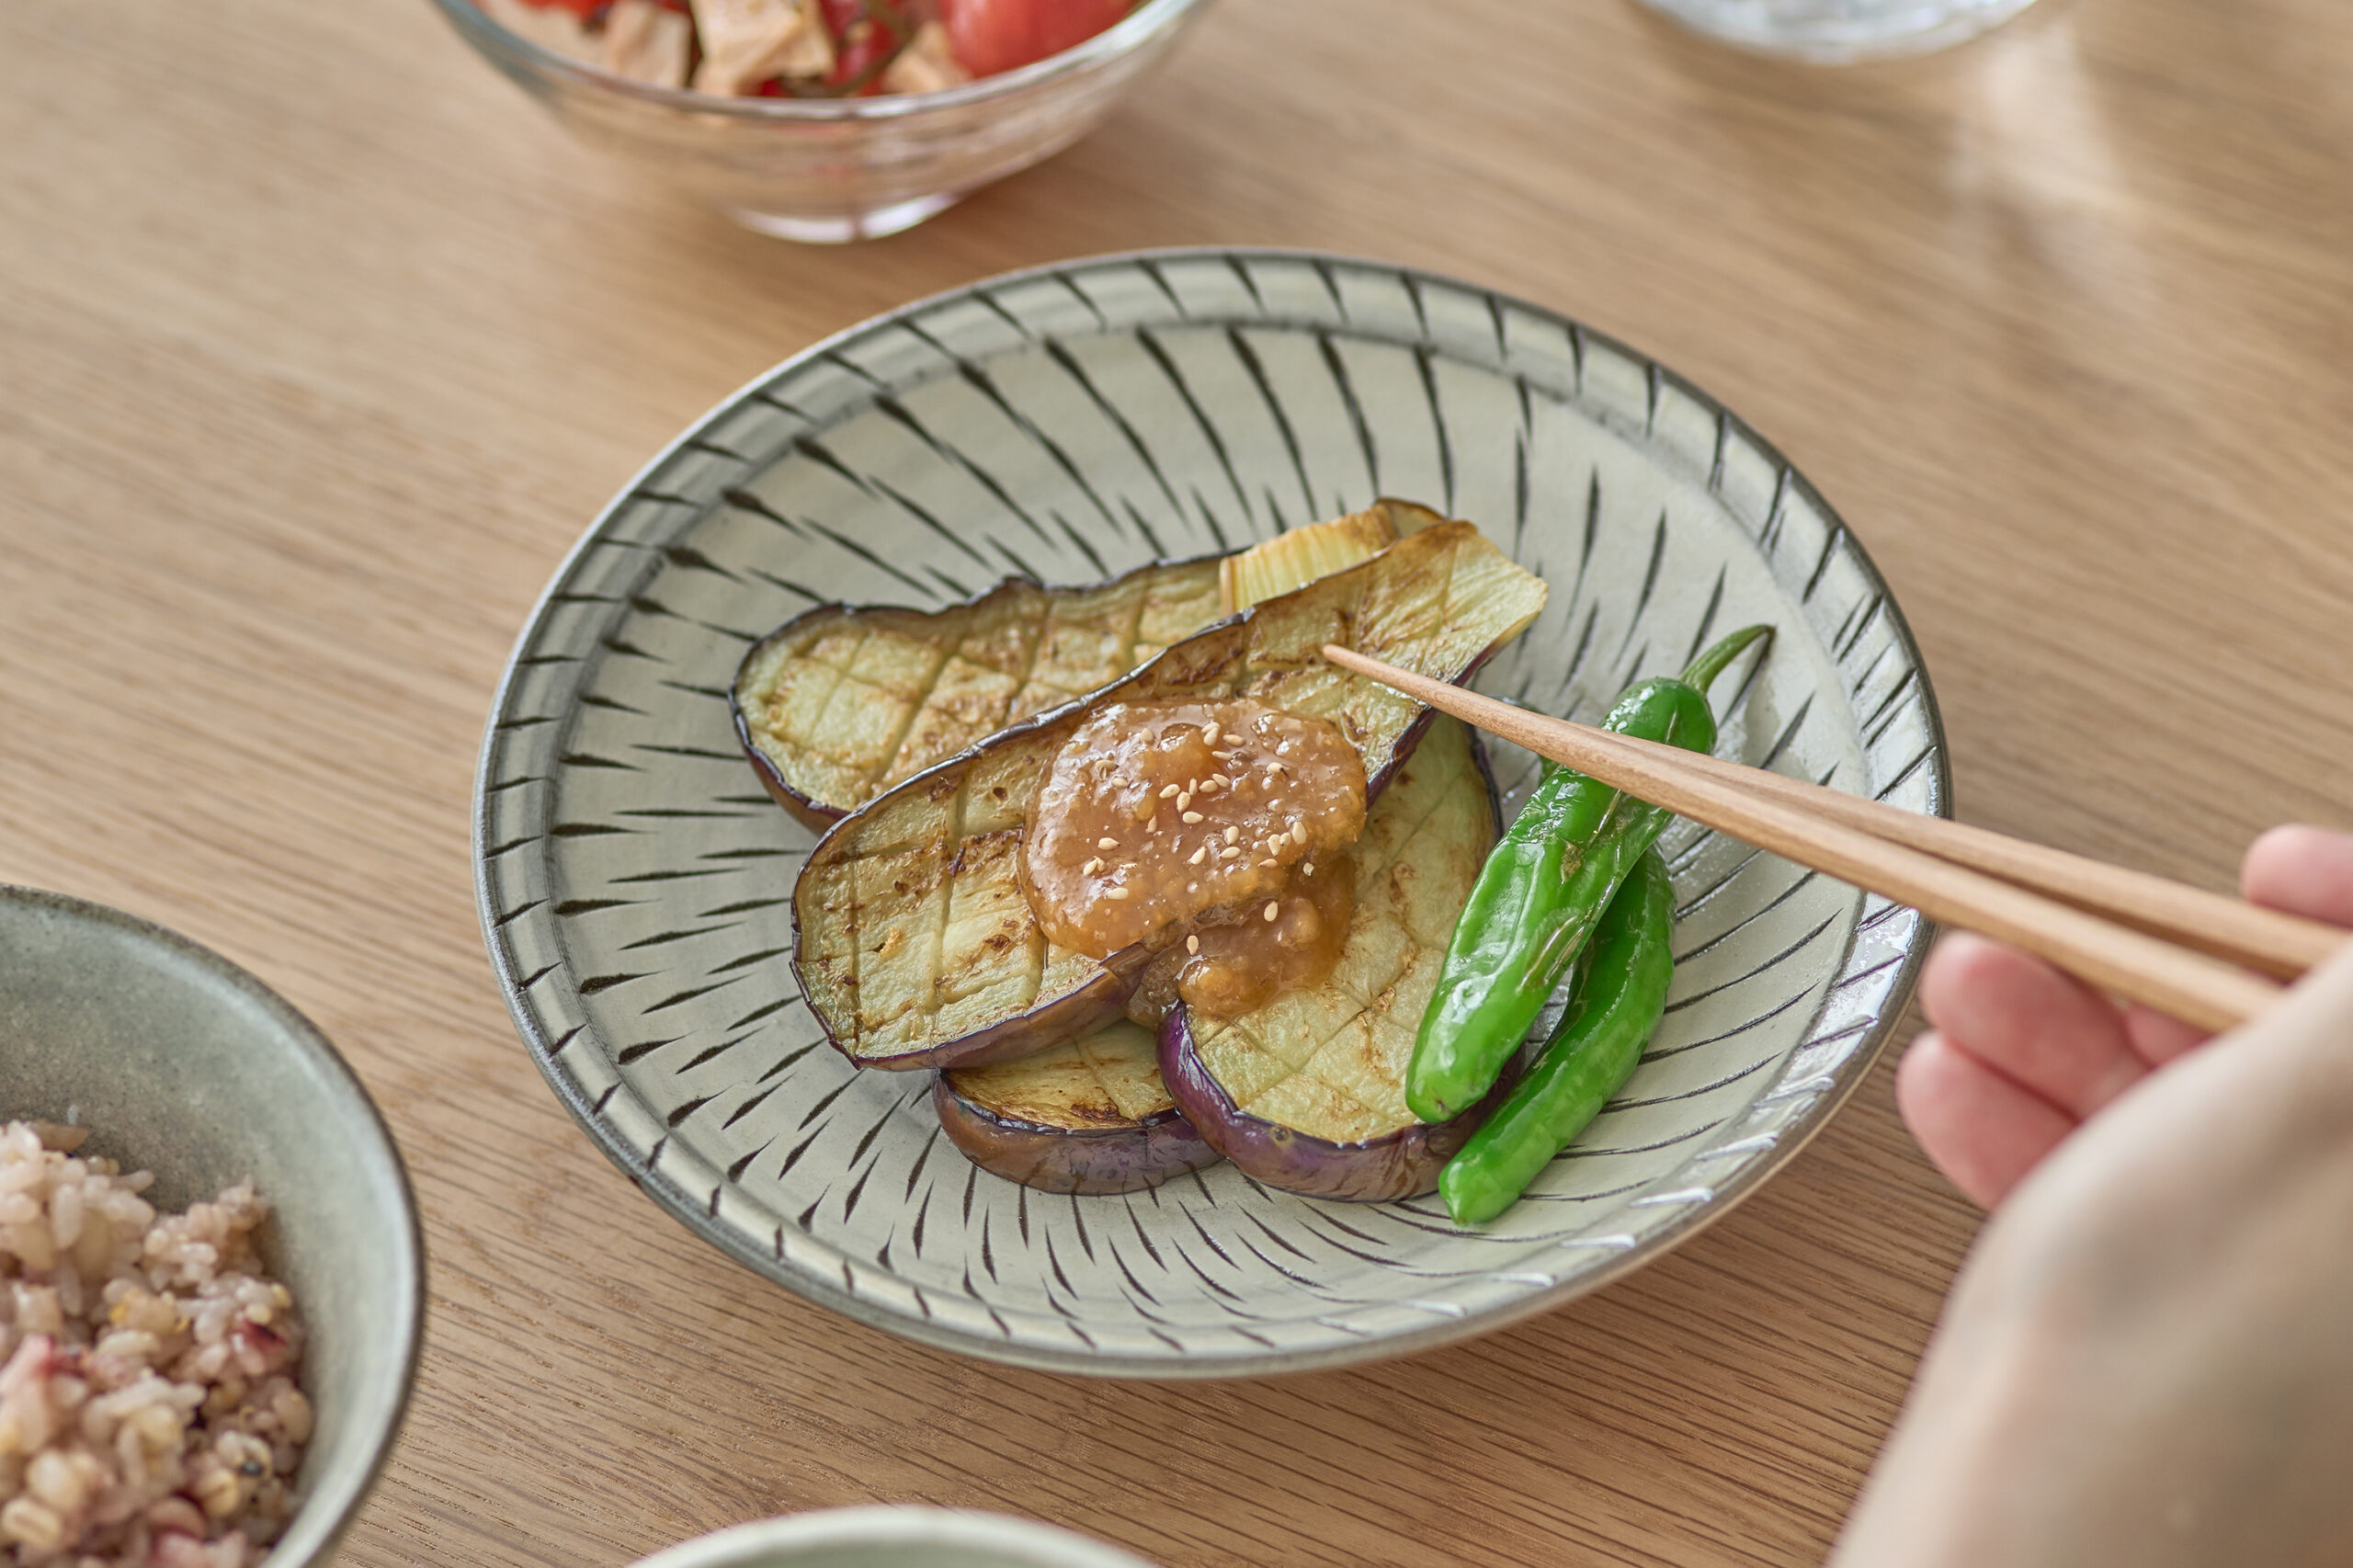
x=1107 y=844
x=1270 y=862
x=1117 y=893
x=1299 y=833
x=1184 y=801
x=1307 y=867
x=1166 y=790
x=1092 y=866
x=1211 y=785
x=1228 y=854
x=1197 y=854
x=1272 y=908
x=1193 y=816
x=1232 y=833
x=1209 y=734
x=1192 y=944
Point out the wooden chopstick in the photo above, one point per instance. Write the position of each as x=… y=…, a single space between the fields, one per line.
x=2282 y=945
x=2189 y=984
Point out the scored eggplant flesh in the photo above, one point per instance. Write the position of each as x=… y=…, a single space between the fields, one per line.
x=1089 y=1114
x=1307 y=1093
x=840 y=703
x=912 y=942
x=1291 y=560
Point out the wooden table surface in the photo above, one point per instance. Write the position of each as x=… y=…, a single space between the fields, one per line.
x=319 y=344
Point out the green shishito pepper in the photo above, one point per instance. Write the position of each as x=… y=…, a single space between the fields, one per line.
x=1541 y=892
x=1616 y=1008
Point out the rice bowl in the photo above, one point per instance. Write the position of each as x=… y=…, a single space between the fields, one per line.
x=149 y=1408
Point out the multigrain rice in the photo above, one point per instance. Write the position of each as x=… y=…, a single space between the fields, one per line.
x=149 y=1416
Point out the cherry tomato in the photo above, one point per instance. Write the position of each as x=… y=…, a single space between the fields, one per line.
x=990 y=36
x=862 y=40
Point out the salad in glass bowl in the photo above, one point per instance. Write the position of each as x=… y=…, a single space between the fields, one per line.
x=825 y=119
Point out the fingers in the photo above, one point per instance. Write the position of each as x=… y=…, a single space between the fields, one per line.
x=1983 y=1129
x=2050 y=1034
x=2303 y=870
x=2021 y=1054
x=2157 y=1038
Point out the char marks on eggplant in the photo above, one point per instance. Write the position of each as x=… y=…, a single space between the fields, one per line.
x=1307 y=1093
x=915 y=945
x=841 y=703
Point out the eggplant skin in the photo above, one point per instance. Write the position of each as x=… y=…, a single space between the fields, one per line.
x=1398 y=1164
x=1407 y=517
x=1334 y=1057
x=841 y=702
x=852 y=730
x=913 y=941
x=1068 y=1120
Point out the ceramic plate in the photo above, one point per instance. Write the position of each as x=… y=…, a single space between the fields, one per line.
x=1069 y=424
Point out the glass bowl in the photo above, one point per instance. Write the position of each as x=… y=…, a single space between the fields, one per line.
x=830 y=170
x=1838 y=32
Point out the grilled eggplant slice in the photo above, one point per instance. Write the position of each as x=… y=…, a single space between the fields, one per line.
x=1307 y=1093
x=912 y=942
x=1089 y=1114
x=839 y=704
x=1293 y=559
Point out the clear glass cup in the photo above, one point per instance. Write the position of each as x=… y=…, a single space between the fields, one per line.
x=829 y=170
x=1834 y=32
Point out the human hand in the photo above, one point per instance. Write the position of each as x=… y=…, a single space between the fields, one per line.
x=2145 y=1360
x=2021 y=1055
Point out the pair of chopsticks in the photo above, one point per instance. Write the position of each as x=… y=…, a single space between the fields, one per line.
x=2180 y=949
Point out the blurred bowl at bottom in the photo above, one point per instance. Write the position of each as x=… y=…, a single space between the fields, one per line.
x=894 y=1536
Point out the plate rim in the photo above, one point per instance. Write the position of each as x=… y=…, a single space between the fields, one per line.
x=690 y=1210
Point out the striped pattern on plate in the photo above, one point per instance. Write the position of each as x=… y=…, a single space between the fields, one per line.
x=1069 y=424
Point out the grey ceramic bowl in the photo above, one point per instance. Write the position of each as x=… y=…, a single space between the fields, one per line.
x=183 y=1064
x=893 y=1537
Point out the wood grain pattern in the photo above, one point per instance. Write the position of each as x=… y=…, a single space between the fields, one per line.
x=321 y=347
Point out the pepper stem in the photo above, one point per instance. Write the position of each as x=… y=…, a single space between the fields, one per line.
x=1709 y=665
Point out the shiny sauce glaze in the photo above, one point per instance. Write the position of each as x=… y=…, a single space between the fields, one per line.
x=1211 y=834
